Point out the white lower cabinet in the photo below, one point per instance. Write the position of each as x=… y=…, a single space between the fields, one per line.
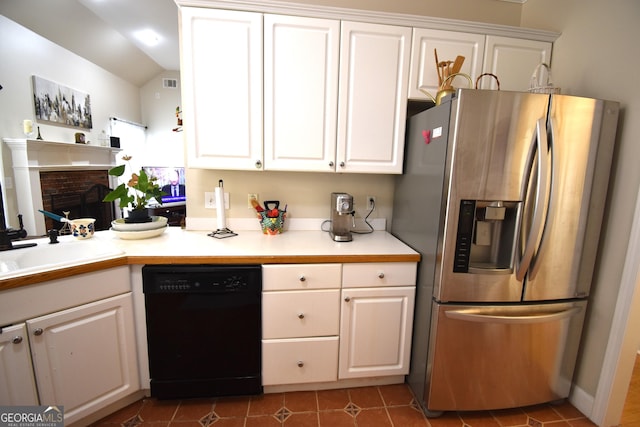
x=376 y=318
x=300 y=323
x=84 y=357
x=328 y=322
x=301 y=313
x=375 y=331
x=299 y=361
x=17 y=383
x=71 y=342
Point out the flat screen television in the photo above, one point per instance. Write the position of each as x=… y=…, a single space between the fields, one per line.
x=172 y=181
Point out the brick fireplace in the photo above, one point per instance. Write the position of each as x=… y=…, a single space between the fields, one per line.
x=79 y=193
x=60 y=176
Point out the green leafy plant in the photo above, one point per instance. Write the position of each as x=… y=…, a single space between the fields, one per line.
x=136 y=193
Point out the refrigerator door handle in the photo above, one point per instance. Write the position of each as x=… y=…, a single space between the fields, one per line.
x=535 y=265
x=476 y=315
x=539 y=209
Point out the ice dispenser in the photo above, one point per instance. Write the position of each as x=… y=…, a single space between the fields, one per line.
x=486 y=237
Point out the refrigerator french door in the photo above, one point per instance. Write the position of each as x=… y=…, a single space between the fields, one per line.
x=503 y=195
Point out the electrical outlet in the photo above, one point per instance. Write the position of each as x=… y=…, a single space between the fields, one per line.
x=371 y=202
x=210 y=200
x=250 y=197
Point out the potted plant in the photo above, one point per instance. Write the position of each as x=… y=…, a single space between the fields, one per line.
x=135 y=194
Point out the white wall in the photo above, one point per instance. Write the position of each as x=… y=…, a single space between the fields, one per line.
x=23 y=54
x=164 y=147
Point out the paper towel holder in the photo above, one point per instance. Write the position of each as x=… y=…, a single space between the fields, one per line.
x=222 y=231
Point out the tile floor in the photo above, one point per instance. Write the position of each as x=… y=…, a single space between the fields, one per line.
x=389 y=406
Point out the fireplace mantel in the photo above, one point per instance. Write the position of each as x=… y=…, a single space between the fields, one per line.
x=30 y=157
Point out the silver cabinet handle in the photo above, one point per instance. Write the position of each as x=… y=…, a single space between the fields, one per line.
x=38 y=331
x=302 y=278
x=347 y=299
x=300 y=363
x=258 y=164
x=381 y=275
x=341 y=164
x=300 y=315
x=331 y=164
x=17 y=339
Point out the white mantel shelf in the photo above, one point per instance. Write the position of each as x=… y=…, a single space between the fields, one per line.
x=30 y=157
x=50 y=155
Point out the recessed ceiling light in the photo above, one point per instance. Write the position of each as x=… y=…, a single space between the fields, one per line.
x=148 y=37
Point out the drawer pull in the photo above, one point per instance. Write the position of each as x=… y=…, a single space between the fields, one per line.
x=300 y=315
x=381 y=275
x=302 y=278
x=38 y=331
x=347 y=299
x=300 y=363
x=17 y=339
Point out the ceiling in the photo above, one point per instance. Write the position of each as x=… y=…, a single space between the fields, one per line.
x=102 y=31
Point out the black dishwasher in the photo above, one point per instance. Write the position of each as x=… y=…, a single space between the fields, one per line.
x=204 y=329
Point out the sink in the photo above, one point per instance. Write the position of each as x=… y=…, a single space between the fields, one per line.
x=47 y=256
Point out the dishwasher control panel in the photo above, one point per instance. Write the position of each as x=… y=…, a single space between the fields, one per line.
x=202 y=279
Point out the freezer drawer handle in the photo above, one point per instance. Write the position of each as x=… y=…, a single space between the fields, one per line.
x=479 y=317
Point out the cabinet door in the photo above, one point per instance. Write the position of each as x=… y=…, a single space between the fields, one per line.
x=513 y=61
x=17 y=384
x=84 y=358
x=374 y=77
x=375 y=331
x=449 y=45
x=222 y=88
x=300 y=93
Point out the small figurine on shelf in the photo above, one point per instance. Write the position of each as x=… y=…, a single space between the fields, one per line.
x=178 y=113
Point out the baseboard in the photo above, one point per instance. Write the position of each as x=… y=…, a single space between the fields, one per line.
x=582 y=401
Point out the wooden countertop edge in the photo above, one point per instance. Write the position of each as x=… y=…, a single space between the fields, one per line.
x=30 y=279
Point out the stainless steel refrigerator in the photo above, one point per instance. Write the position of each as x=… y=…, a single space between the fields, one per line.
x=503 y=194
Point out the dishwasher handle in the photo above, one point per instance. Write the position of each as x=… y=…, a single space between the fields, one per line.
x=478 y=316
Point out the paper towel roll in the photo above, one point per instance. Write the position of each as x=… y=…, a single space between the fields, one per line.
x=222 y=221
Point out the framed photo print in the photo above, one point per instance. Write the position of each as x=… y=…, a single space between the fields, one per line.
x=61 y=105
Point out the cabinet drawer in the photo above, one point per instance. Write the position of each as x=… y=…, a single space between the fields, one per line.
x=297 y=361
x=301 y=276
x=367 y=275
x=292 y=314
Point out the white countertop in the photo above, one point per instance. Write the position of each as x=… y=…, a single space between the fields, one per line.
x=182 y=243
x=178 y=246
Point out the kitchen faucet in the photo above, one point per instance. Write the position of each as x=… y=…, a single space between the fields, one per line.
x=7 y=235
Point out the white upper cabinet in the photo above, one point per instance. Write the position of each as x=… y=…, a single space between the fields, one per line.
x=449 y=45
x=301 y=59
x=514 y=60
x=374 y=76
x=221 y=74
x=269 y=90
